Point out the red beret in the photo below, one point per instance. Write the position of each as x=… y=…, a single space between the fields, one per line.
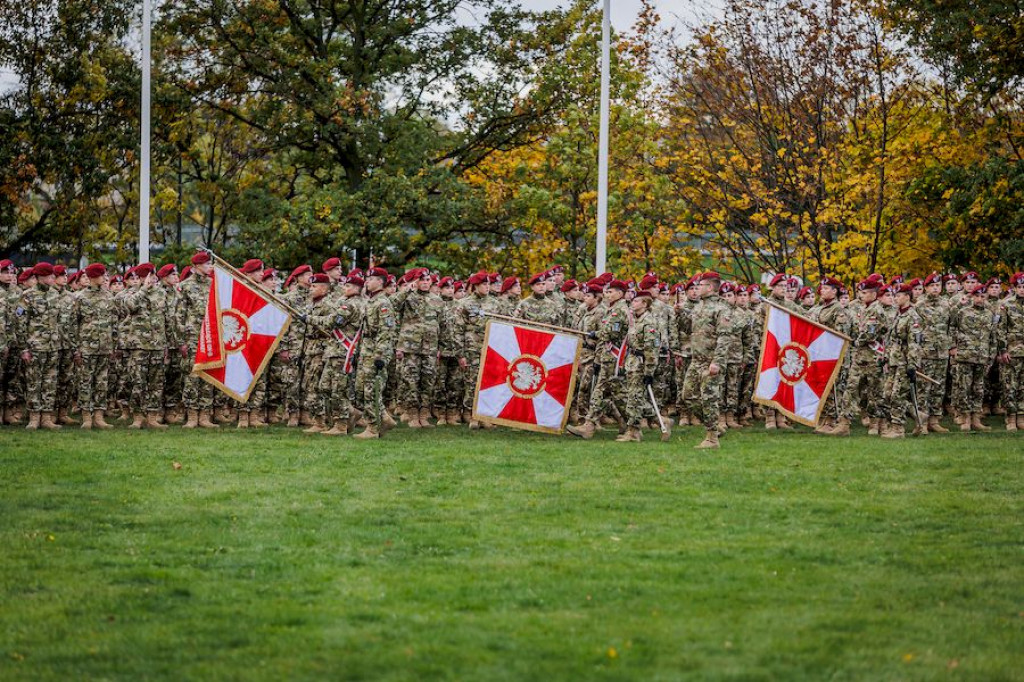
x=539 y=278
x=804 y=291
x=831 y=282
x=117 y=279
x=916 y=282
x=869 y=283
x=754 y=288
x=1016 y=278
x=445 y=282
x=355 y=280
x=459 y=285
x=727 y=288
x=643 y=293
x=377 y=272
x=268 y=274
x=618 y=284
x=508 y=283
x=42 y=270
x=934 y=277
x=898 y=279
x=145 y=269
x=301 y=270
x=649 y=280
x=568 y=285
x=950 y=277
x=169 y=269
x=24 y=276
x=130 y=272
x=60 y=270
x=494 y=278
x=606 y=278
x=970 y=277
x=6 y=264
x=390 y=280
x=478 y=278
x=593 y=287
x=355 y=272
x=557 y=270
x=319 y=278
x=781 y=277
x=993 y=280
x=73 y=277
x=905 y=288
x=186 y=272
x=94 y=270
x=710 y=275
x=252 y=265
x=201 y=257
x=330 y=264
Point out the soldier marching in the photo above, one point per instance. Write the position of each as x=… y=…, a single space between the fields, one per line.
x=367 y=349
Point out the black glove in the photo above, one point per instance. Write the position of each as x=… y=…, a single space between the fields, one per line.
x=648 y=380
x=304 y=317
x=378 y=365
x=591 y=335
x=911 y=373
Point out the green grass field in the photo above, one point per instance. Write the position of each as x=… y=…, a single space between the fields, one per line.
x=450 y=554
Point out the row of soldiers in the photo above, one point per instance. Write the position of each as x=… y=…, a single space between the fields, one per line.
x=364 y=340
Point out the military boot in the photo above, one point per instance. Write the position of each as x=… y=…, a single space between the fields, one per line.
x=874 y=427
x=730 y=421
x=965 y=425
x=293 y=420
x=894 y=431
x=256 y=420
x=98 y=421
x=317 y=427
x=935 y=426
x=174 y=416
x=1011 y=422
x=782 y=422
x=192 y=421
x=243 y=420
x=305 y=418
x=87 y=420
x=425 y=418
x=339 y=428
x=387 y=421
x=63 y=418
x=48 y=422
x=710 y=441
x=126 y=414
x=411 y=417
x=370 y=432
x=632 y=435
x=153 y=422
x=842 y=428
x=1020 y=421
x=33 y=420
x=769 y=420
x=586 y=431
x=722 y=426
x=644 y=424
x=684 y=418
x=825 y=429
x=865 y=421
x=474 y=425
x=977 y=424
x=206 y=421
x=442 y=419
x=12 y=417
x=920 y=428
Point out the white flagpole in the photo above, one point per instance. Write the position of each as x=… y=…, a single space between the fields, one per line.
x=144 y=170
x=602 y=155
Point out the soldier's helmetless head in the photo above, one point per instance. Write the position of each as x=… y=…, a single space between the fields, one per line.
x=978 y=296
x=374 y=283
x=995 y=290
x=903 y=299
x=318 y=289
x=640 y=304
x=934 y=288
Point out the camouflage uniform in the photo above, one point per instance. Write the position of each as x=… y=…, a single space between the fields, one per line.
x=66 y=373
x=147 y=343
x=644 y=339
x=379 y=331
x=544 y=309
x=702 y=393
x=1010 y=341
x=588 y=321
x=902 y=354
x=665 y=316
x=10 y=299
x=38 y=311
x=418 y=338
x=470 y=321
x=344 y=315
x=972 y=330
x=313 y=400
x=190 y=310
x=450 y=385
x=733 y=369
x=935 y=315
x=832 y=315
x=684 y=327
x=92 y=335
x=610 y=388
x=870 y=328
x=174 y=379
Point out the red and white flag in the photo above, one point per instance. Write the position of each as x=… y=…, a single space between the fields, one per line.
x=619 y=353
x=527 y=377
x=350 y=347
x=800 y=361
x=241 y=330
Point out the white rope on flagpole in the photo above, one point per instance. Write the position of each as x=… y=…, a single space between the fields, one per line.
x=602 y=155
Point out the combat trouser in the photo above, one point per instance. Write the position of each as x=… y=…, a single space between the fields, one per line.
x=864 y=382
x=930 y=396
x=1013 y=386
x=418 y=377
x=147 y=380
x=334 y=388
x=93 y=375
x=702 y=393
x=610 y=391
x=41 y=381
x=968 y=386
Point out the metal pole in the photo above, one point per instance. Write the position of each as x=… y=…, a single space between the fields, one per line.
x=602 y=154
x=144 y=170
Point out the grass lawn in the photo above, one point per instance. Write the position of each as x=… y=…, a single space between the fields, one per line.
x=450 y=554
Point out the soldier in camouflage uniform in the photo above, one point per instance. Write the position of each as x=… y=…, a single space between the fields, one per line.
x=342 y=316
x=92 y=337
x=644 y=342
x=868 y=331
x=751 y=342
x=190 y=310
x=733 y=369
x=289 y=363
x=783 y=294
x=587 y=322
x=379 y=333
x=1010 y=352
x=935 y=312
x=417 y=349
x=174 y=378
x=319 y=305
x=148 y=340
x=470 y=322
x=610 y=338
x=830 y=313
x=540 y=306
x=10 y=297
x=37 y=310
x=511 y=293
x=450 y=377
x=65 y=364
x=687 y=301
x=973 y=331
x=709 y=345
x=902 y=362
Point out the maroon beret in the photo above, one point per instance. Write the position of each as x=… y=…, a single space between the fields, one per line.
x=618 y=284
x=169 y=269
x=445 y=282
x=710 y=275
x=377 y=272
x=6 y=264
x=727 y=288
x=144 y=269
x=319 y=278
x=478 y=278
x=60 y=270
x=330 y=264
x=268 y=274
x=355 y=280
x=42 y=270
x=186 y=272
x=933 y=277
x=643 y=293
x=94 y=270
x=649 y=280
x=539 y=278
x=568 y=285
x=201 y=257
x=780 y=278
x=970 y=277
x=1017 y=278
x=250 y=266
